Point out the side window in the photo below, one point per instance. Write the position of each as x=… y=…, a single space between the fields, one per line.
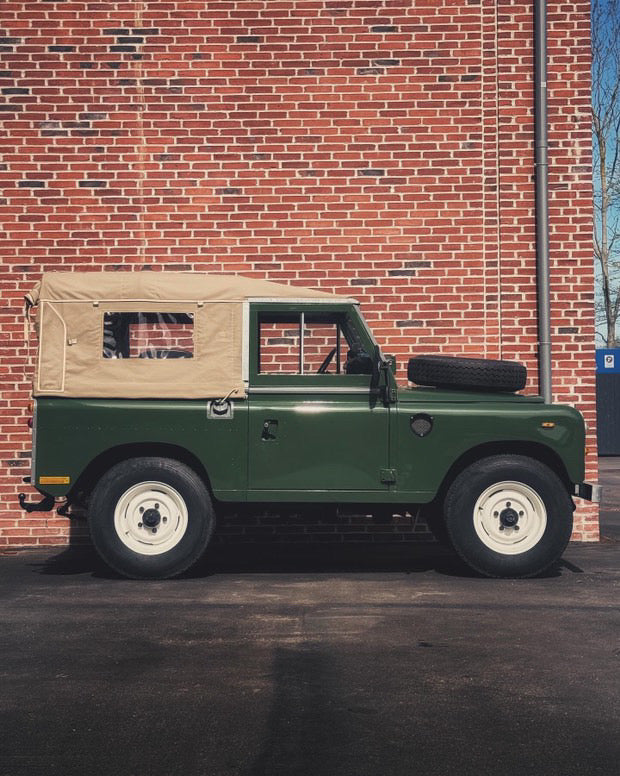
x=323 y=345
x=309 y=344
x=148 y=335
x=279 y=344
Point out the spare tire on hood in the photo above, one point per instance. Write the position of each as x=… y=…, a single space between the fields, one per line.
x=474 y=374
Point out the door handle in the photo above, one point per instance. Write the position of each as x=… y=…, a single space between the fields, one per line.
x=269 y=432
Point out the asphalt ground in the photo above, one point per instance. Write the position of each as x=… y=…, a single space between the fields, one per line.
x=335 y=661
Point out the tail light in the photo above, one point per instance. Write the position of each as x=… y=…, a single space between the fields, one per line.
x=30 y=419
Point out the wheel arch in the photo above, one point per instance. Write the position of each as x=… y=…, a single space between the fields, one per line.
x=538 y=452
x=105 y=460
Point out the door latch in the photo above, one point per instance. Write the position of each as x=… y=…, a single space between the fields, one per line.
x=270 y=429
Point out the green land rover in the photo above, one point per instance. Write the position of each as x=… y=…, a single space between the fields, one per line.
x=158 y=396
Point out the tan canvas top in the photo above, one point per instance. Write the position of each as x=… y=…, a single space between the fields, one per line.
x=198 y=348
x=179 y=286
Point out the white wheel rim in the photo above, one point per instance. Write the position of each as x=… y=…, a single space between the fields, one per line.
x=494 y=513
x=150 y=518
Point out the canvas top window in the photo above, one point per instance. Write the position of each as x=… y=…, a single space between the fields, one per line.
x=153 y=335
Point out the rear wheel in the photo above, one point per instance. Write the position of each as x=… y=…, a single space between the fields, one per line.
x=150 y=518
x=508 y=516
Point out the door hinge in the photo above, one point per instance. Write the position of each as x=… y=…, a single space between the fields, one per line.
x=387 y=475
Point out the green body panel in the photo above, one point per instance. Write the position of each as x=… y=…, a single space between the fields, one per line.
x=73 y=432
x=311 y=437
x=462 y=423
x=318 y=443
x=327 y=448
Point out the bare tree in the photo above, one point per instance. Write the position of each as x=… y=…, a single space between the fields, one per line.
x=606 y=149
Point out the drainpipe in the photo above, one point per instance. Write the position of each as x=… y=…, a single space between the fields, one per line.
x=542 y=199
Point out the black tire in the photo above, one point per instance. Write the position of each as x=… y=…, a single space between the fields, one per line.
x=509 y=487
x=136 y=487
x=467 y=373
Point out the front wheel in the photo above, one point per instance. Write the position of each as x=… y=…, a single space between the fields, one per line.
x=150 y=518
x=508 y=516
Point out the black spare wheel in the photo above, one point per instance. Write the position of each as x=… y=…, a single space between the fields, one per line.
x=468 y=373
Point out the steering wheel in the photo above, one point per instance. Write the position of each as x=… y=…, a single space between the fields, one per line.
x=326 y=362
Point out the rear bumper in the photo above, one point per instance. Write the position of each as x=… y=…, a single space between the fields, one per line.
x=590 y=491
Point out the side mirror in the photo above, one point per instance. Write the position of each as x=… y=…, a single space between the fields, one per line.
x=360 y=363
x=382 y=364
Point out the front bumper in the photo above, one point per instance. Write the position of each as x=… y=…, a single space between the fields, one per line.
x=590 y=491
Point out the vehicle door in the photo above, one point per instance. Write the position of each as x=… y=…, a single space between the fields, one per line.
x=317 y=423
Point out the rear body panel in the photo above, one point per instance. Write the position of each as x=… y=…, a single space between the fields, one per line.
x=71 y=433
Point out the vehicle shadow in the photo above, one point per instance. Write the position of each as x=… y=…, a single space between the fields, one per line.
x=290 y=558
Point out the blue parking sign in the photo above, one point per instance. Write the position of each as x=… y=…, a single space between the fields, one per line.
x=608 y=361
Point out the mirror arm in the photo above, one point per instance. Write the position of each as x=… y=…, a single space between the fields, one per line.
x=382 y=367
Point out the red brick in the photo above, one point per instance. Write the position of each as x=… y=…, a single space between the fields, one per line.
x=442 y=105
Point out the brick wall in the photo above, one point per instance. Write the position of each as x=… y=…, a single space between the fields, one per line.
x=377 y=148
